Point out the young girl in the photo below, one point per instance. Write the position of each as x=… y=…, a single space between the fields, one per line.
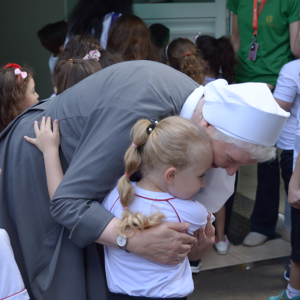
x=172 y=156
x=182 y=55
x=218 y=54
x=17 y=92
x=70 y=71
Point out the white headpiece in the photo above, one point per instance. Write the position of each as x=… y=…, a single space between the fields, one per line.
x=245 y=111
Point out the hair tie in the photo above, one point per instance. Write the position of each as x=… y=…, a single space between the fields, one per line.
x=134 y=145
x=126 y=175
x=188 y=53
x=93 y=54
x=125 y=207
x=151 y=127
x=70 y=59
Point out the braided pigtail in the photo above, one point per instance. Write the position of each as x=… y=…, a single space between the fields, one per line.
x=133 y=161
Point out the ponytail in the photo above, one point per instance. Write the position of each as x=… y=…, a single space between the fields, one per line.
x=218 y=53
x=133 y=161
x=183 y=55
x=227 y=59
x=191 y=66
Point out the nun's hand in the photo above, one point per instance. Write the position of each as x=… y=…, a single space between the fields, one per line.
x=46 y=139
x=165 y=243
x=205 y=239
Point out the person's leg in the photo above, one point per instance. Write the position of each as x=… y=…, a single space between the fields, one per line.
x=220 y=223
x=221 y=240
x=293 y=288
x=265 y=212
x=229 y=205
x=286 y=165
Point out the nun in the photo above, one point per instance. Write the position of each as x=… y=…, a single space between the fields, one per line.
x=57 y=244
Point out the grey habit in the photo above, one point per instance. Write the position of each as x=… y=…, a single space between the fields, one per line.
x=53 y=242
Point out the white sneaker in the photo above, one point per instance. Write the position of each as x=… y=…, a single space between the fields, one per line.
x=254 y=239
x=196 y=265
x=222 y=246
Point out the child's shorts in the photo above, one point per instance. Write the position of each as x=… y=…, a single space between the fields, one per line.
x=113 y=296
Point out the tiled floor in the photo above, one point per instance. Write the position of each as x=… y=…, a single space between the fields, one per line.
x=240 y=256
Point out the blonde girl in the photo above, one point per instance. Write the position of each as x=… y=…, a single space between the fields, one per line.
x=172 y=157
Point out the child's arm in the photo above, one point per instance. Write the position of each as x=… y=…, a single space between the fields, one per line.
x=48 y=143
x=294 y=186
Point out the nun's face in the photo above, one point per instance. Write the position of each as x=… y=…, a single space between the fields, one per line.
x=226 y=156
x=229 y=157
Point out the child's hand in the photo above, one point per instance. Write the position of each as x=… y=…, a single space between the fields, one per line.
x=46 y=139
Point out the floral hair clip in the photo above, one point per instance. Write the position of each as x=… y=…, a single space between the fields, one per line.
x=18 y=72
x=195 y=38
x=94 y=54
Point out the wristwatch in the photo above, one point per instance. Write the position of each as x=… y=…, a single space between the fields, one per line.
x=122 y=242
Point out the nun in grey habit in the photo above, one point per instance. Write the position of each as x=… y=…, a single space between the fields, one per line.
x=55 y=249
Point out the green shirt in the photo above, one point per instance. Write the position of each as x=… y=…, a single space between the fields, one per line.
x=273 y=38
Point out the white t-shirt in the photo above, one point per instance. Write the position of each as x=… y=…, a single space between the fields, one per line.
x=52 y=63
x=11 y=283
x=288 y=89
x=132 y=275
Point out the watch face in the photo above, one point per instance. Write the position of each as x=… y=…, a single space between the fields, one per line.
x=121 y=241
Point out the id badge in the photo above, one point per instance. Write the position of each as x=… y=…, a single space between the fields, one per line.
x=252 y=51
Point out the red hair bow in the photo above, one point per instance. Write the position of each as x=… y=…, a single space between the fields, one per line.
x=10 y=65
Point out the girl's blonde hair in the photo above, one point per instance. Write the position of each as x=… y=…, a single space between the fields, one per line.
x=174 y=141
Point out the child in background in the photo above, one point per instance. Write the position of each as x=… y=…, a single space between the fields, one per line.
x=287 y=96
x=52 y=37
x=79 y=46
x=129 y=37
x=72 y=67
x=218 y=55
x=17 y=92
x=160 y=35
x=182 y=55
x=173 y=157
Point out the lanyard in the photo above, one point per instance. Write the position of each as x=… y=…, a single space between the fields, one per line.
x=256 y=14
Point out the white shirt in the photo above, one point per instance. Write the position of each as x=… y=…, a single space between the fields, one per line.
x=132 y=275
x=52 y=63
x=11 y=282
x=288 y=89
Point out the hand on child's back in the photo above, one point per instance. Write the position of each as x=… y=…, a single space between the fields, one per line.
x=46 y=139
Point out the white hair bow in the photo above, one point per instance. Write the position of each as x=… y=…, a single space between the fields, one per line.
x=18 y=72
x=94 y=54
